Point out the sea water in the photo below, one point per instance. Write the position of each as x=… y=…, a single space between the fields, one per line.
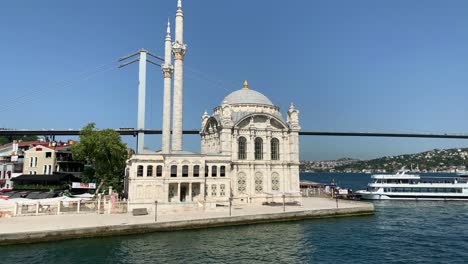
x=399 y=232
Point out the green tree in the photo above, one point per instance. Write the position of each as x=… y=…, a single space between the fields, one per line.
x=6 y=140
x=105 y=152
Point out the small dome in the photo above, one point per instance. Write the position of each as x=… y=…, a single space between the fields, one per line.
x=247 y=96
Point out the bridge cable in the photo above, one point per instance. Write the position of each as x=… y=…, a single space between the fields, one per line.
x=64 y=84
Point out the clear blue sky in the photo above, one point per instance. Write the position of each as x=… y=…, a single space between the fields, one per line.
x=364 y=65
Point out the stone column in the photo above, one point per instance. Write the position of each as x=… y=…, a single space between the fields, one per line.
x=251 y=147
x=267 y=147
x=190 y=193
x=202 y=190
x=235 y=146
x=178 y=192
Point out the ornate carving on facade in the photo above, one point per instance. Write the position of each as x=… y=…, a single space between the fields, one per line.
x=293 y=117
x=179 y=50
x=167 y=70
x=204 y=120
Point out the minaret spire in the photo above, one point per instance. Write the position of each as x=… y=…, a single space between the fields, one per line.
x=167 y=70
x=178 y=49
x=168 y=27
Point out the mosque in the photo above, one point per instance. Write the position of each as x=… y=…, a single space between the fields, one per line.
x=249 y=152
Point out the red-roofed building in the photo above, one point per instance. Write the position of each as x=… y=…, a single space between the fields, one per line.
x=50 y=159
x=35 y=157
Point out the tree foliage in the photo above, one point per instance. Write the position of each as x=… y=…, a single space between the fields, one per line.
x=105 y=152
x=6 y=140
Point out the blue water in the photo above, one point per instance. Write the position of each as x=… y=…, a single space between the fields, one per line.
x=399 y=232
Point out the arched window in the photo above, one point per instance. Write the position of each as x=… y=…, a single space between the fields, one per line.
x=207 y=172
x=185 y=171
x=275 y=153
x=258 y=149
x=214 y=171
x=149 y=171
x=241 y=183
x=242 y=148
x=159 y=171
x=222 y=171
x=258 y=182
x=196 y=171
x=275 y=182
x=174 y=171
x=140 y=171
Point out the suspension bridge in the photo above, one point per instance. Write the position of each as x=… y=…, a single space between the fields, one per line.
x=134 y=132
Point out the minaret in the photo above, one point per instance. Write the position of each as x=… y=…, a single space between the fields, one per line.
x=178 y=49
x=167 y=70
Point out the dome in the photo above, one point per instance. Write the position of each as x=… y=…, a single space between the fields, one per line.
x=247 y=96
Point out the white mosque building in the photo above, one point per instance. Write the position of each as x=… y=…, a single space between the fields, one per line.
x=249 y=152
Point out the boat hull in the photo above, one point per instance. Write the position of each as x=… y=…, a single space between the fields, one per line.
x=428 y=197
x=373 y=196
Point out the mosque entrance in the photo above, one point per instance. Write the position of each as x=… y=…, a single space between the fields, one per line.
x=183 y=193
x=172 y=192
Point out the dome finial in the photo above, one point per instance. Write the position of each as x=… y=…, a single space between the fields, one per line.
x=246 y=85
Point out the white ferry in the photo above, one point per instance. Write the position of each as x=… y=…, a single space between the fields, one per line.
x=403 y=186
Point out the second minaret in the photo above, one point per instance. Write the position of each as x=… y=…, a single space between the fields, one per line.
x=167 y=69
x=178 y=49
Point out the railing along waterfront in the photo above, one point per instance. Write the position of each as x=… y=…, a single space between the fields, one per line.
x=102 y=205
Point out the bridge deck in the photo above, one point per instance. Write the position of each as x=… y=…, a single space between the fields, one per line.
x=134 y=132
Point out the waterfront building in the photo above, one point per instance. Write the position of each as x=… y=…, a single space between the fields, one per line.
x=249 y=152
x=56 y=157
x=11 y=160
x=8 y=170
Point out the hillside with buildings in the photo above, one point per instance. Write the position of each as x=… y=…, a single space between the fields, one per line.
x=437 y=160
x=325 y=165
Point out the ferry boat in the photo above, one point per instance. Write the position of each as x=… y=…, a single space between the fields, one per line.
x=403 y=186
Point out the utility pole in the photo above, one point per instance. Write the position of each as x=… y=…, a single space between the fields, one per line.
x=142 y=59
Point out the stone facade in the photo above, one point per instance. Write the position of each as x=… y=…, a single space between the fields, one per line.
x=249 y=152
x=262 y=146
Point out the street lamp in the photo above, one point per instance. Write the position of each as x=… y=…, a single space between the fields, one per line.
x=284 y=202
x=230 y=204
x=156 y=211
